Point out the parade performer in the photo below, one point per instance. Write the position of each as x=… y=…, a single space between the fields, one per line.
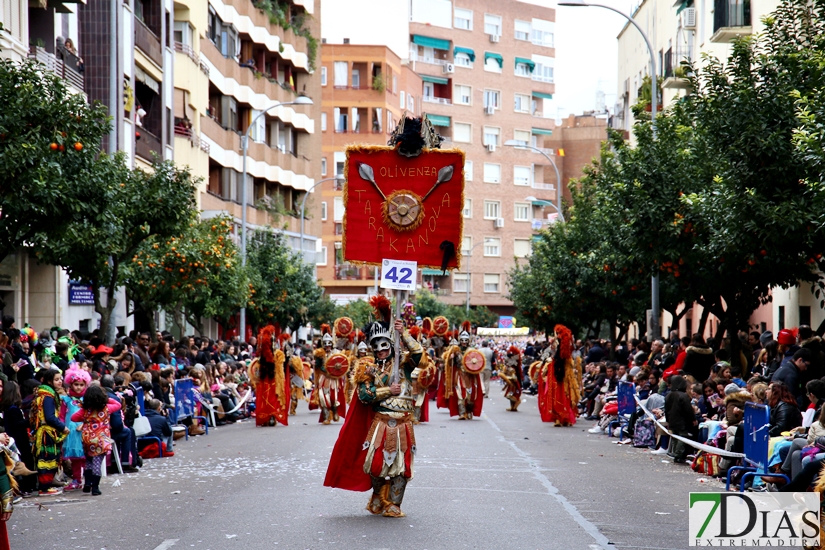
x=462 y=390
x=563 y=382
x=297 y=378
x=423 y=377
x=268 y=377
x=376 y=445
x=512 y=376
x=330 y=378
x=361 y=351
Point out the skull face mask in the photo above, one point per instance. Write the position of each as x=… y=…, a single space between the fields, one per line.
x=382 y=347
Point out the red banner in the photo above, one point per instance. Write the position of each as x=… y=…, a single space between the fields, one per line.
x=403 y=208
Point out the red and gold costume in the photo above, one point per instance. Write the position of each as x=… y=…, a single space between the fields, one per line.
x=460 y=388
x=512 y=376
x=331 y=369
x=376 y=445
x=298 y=371
x=562 y=388
x=423 y=377
x=270 y=381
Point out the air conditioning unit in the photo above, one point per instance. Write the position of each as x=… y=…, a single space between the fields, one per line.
x=449 y=68
x=491 y=147
x=494 y=38
x=499 y=223
x=489 y=110
x=689 y=18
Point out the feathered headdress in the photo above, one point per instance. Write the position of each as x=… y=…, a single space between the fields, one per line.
x=325 y=329
x=513 y=350
x=266 y=344
x=466 y=327
x=283 y=338
x=382 y=308
x=564 y=351
x=415 y=332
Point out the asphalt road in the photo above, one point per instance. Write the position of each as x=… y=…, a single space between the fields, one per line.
x=505 y=480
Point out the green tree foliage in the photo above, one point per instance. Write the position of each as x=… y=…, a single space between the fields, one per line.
x=427 y=304
x=49 y=140
x=196 y=275
x=130 y=206
x=359 y=311
x=283 y=288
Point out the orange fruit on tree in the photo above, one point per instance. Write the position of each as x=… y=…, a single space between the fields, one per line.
x=53 y=146
x=78 y=146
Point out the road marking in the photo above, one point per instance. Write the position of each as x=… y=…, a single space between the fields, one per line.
x=585 y=524
x=165 y=545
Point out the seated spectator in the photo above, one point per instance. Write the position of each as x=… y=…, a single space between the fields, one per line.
x=785 y=415
x=680 y=416
x=161 y=427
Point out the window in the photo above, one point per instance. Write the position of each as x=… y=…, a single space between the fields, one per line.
x=463 y=95
x=492 y=174
x=468 y=170
x=522 y=248
x=492 y=281
x=323 y=166
x=522 y=104
x=341 y=70
x=462 y=132
x=183 y=33
x=492 y=24
x=463 y=19
x=541 y=33
x=522 y=30
x=322 y=256
x=521 y=175
x=323 y=76
x=402 y=98
x=491 y=64
x=356 y=79
x=324 y=210
x=521 y=213
x=492 y=246
x=338 y=209
x=460 y=282
x=491 y=136
x=467 y=246
x=323 y=122
x=463 y=60
x=522 y=69
x=521 y=135
x=410 y=103
x=468 y=208
x=544 y=68
x=492 y=210
x=492 y=98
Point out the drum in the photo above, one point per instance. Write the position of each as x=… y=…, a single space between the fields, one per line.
x=337 y=365
x=472 y=362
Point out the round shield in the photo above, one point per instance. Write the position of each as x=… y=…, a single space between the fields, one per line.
x=535 y=369
x=427 y=376
x=427 y=325
x=441 y=325
x=404 y=210
x=307 y=370
x=472 y=362
x=337 y=365
x=343 y=327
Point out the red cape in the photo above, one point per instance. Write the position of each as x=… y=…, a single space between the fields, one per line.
x=346 y=465
x=542 y=395
x=478 y=391
x=342 y=404
x=267 y=404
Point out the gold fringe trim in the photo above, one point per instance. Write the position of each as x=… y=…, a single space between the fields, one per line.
x=448 y=356
x=297 y=366
x=319 y=353
x=280 y=389
x=254 y=377
x=371 y=149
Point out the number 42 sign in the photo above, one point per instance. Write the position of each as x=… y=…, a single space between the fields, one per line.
x=399 y=274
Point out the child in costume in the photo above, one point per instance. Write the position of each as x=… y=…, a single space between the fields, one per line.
x=95 y=433
x=76 y=382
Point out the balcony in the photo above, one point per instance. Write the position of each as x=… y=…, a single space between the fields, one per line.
x=347 y=272
x=542 y=78
x=58 y=66
x=675 y=72
x=148 y=42
x=731 y=19
x=147 y=144
x=439 y=100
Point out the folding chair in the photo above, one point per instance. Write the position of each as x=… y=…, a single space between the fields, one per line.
x=627 y=406
x=755 y=424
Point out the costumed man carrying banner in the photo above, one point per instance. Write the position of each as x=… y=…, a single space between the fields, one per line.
x=376 y=445
x=562 y=382
x=512 y=377
x=269 y=379
x=462 y=390
x=330 y=378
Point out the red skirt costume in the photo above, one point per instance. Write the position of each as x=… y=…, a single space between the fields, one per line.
x=272 y=391
x=562 y=383
x=457 y=387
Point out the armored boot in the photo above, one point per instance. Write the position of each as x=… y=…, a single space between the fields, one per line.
x=469 y=415
x=397 y=486
x=462 y=411
x=327 y=415
x=376 y=504
x=293 y=406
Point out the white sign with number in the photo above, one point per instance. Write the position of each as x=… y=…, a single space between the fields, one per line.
x=399 y=274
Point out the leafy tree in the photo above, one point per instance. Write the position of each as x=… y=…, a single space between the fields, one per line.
x=49 y=140
x=427 y=304
x=196 y=275
x=130 y=206
x=283 y=288
x=359 y=311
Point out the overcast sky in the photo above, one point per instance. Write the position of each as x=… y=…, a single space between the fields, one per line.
x=586 y=53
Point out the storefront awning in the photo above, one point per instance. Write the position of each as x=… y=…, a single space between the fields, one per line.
x=439 y=120
x=430 y=42
x=432 y=272
x=434 y=79
x=542 y=132
x=497 y=56
x=542 y=95
x=470 y=53
x=529 y=62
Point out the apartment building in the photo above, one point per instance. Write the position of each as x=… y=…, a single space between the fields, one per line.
x=232 y=63
x=486 y=68
x=365 y=90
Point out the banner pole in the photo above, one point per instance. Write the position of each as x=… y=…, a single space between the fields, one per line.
x=397 y=338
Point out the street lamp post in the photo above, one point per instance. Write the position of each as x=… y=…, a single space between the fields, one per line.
x=524 y=145
x=469 y=275
x=300 y=100
x=655 y=330
x=534 y=201
x=303 y=205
